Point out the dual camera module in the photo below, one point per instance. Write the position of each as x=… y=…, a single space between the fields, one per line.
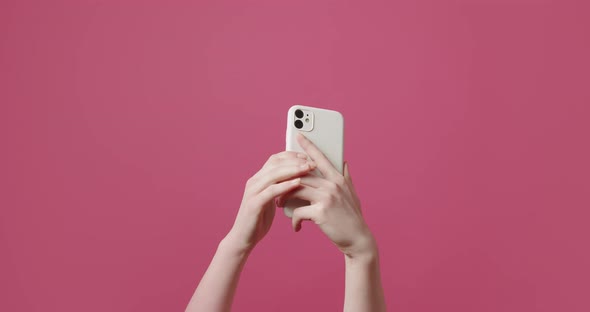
x=299 y=118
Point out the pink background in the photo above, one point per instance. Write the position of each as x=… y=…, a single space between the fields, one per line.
x=128 y=130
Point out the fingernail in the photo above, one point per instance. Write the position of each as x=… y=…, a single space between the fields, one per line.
x=295 y=181
x=304 y=166
x=312 y=164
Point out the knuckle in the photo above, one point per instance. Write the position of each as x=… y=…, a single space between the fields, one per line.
x=301 y=161
x=278 y=157
x=330 y=200
x=332 y=187
x=332 y=194
x=322 y=211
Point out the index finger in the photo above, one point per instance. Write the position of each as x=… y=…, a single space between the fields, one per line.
x=278 y=157
x=323 y=163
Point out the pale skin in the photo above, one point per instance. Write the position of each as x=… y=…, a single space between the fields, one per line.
x=334 y=207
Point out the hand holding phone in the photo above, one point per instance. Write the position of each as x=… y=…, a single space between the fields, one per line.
x=325 y=129
x=327 y=197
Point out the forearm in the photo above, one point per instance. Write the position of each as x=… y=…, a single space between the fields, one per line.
x=217 y=287
x=363 y=290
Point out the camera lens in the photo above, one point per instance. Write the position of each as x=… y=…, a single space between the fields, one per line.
x=298 y=124
x=298 y=113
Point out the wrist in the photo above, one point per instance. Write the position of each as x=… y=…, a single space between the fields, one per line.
x=365 y=249
x=233 y=246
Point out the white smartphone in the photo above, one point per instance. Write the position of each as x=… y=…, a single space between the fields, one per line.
x=323 y=127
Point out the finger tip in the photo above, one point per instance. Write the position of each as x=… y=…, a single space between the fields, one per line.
x=296 y=226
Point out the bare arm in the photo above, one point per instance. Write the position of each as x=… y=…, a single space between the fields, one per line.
x=218 y=286
x=278 y=176
x=363 y=291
